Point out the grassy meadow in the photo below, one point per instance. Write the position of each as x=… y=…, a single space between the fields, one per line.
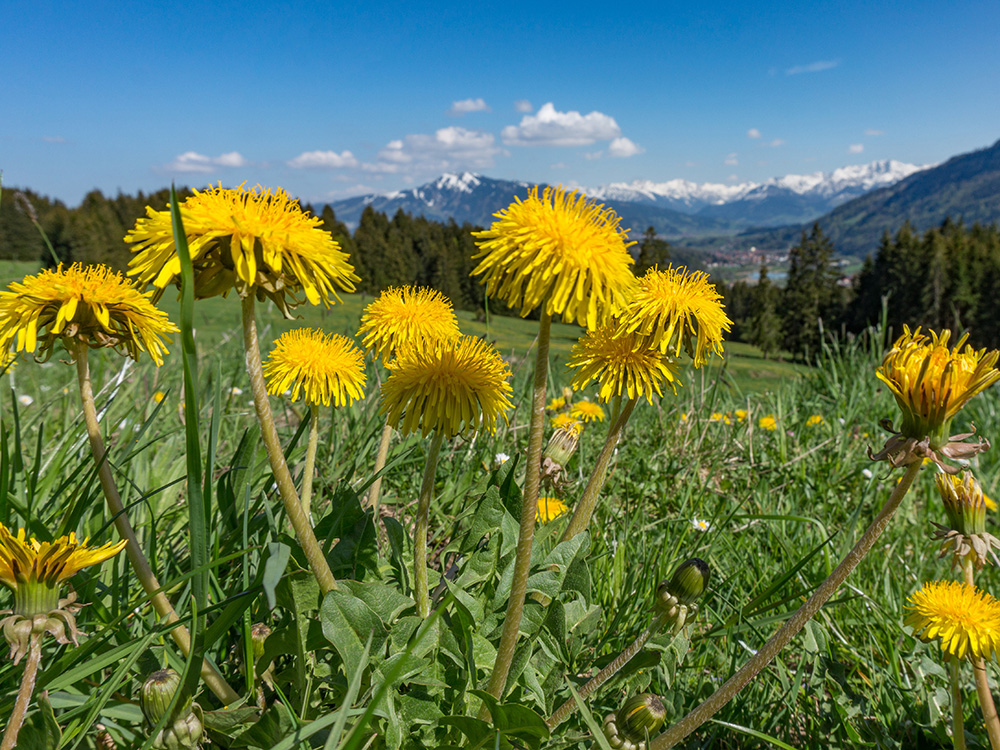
x=697 y=474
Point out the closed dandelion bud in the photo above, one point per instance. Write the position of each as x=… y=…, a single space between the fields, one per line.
x=562 y=446
x=258 y=634
x=641 y=716
x=963 y=503
x=157 y=693
x=687 y=584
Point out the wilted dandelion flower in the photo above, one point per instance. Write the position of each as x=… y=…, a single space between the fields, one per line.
x=407 y=316
x=768 y=423
x=549 y=509
x=675 y=309
x=964 y=619
x=320 y=367
x=566 y=421
x=256 y=241
x=559 y=252
x=621 y=364
x=452 y=387
x=587 y=411
x=89 y=304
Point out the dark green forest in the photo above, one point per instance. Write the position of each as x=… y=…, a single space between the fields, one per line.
x=946 y=277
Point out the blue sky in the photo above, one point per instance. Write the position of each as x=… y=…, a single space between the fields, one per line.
x=330 y=101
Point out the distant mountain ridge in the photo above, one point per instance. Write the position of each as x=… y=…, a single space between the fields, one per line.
x=676 y=208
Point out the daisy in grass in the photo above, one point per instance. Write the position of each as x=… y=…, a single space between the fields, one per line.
x=319 y=367
x=768 y=423
x=587 y=411
x=931 y=383
x=406 y=316
x=559 y=252
x=965 y=620
x=256 y=241
x=677 y=310
x=700 y=524
x=621 y=364
x=550 y=508
x=86 y=305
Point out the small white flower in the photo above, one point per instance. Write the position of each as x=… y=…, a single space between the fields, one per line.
x=234 y=391
x=842 y=421
x=701 y=524
x=25 y=400
x=867 y=473
x=501 y=458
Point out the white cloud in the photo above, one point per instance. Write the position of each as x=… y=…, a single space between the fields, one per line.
x=523 y=106
x=813 y=67
x=465 y=106
x=856 y=148
x=753 y=133
x=448 y=149
x=191 y=161
x=549 y=127
x=323 y=160
x=731 y=160
x=623 y=147
x=873 y=131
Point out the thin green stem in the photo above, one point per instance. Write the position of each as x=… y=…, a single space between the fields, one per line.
x=310 y=470
x=275 y=455
x=529 y=509
x=140 y=565
x=375 y=492
x=957 y=719
x=769 y=650
x=584 y=509
x=421 y=592
x=607 y=673
x=990 y=718
x=16 y=719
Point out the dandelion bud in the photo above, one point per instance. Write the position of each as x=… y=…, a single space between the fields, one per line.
x=562 y=446
x=157 y=692
x=640 y=717
x=687 y=584
x=184 y=729
x=258 y=634
x=963 y=503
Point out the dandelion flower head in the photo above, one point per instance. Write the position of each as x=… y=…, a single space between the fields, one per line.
x=256 y=241
x=25 y=562
x=768 y=423
x=451 y=387
x=621 y=363
x=815 y=420
x=587 y=411
x=964 y=619
x=89 y=304
x=556 y=404
x=677 y=309
x=566 y=421
x=549 y=509
x=321 y=367
x=931 y=382
x=407 y=316
x=559 y=252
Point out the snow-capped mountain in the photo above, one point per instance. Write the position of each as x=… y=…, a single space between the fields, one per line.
x=674 y=208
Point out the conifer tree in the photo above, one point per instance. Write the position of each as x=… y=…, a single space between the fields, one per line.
x=652 y=252
x=765 y=323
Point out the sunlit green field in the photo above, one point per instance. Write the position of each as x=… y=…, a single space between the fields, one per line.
x=697 y=474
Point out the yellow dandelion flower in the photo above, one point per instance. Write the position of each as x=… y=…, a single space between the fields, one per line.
x=556 y=404
x=965 y=619
x=89 y=304
x=549 y=509
x=931 y=382
x=716 y=416
x=587 y=411
x=256 y=241
x=559 y=252
x=684 y=416
x=566 y=422
x=407 y=316
x=814 y=420
x=461 y=386
x=676 y=309
x=621 y=363
x=323 y=368
x=991 y=504
x=159 y=396
x=768 y=423
x=741 y=415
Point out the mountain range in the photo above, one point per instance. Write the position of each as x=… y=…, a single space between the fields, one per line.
x=853 y=204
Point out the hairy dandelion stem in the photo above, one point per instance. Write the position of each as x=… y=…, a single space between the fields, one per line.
x=310 y=469
x=588 y=501
x=279 y=467
x=769 y=650
x=990 y=718
x=607 y=673
x=375 y=492
x=529 y=509
x=140 y=564
x=421 y=592
x=957 y=720
x=21 y=703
